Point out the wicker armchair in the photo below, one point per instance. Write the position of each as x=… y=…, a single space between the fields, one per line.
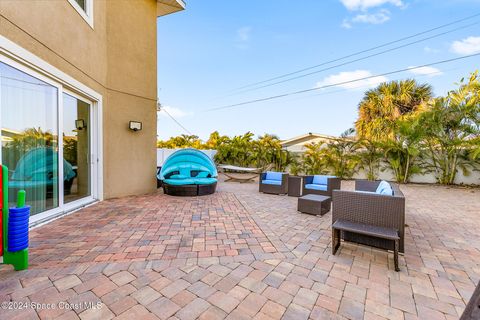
x=333 y=183
x=370 y=209
x=280 y=188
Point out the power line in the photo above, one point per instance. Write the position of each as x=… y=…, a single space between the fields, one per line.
x=340 y=83
x=175 y=120
x=358 y=59
x=368 y=85
x=358 y=52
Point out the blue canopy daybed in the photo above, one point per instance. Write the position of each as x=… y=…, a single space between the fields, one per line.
x=37 y=173
x=188 y=172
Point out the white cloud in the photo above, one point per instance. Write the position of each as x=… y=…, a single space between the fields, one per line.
x=174 y=112
x=243 y=37
x=425 y=71
x=363 y=5
x=343 y=77
x=466 y=46
x=428 y=49
x=346 y=24
x=375 y=18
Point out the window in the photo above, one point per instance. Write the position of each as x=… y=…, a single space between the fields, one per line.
x=84 y=9
x=82 y=5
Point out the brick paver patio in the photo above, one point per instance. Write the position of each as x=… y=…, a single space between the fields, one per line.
x=239 y=254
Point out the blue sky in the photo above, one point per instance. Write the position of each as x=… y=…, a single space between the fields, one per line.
x=216 y=46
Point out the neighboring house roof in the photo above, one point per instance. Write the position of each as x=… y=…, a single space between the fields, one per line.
x=305 y=139
x=165 y=7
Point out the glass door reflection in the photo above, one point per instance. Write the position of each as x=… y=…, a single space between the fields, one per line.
x=29 y=137
x=76 y=148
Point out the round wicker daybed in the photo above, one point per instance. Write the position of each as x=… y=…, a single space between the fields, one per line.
x=188 y=172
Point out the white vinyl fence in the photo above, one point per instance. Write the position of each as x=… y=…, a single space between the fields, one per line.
x=163 y=154
x=472 y=179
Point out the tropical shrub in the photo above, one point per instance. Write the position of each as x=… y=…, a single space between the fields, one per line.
x=340 y=156
x=312 y=160
x=451 y=126
x=370 y=154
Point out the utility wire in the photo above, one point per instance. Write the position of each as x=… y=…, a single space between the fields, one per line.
x=175 y=120
x=358 y=52
x=340 y=83
x=358 y=59
x=366 y=86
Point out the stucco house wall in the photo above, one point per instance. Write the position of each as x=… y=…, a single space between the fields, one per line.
x=117 y=59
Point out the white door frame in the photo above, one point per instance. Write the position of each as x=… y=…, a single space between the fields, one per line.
x=21 y=59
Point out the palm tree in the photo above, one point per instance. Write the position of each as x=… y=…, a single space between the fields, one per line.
x=381 y=107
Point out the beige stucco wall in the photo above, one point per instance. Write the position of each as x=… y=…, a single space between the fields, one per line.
x=117 y=58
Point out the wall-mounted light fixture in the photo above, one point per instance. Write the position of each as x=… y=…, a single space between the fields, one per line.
x=80 y=124
x=135 y=125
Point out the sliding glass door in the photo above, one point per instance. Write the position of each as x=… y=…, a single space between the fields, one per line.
x=56 y=173
x=76 y=148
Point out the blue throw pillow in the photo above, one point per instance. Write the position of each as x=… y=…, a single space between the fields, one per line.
x=384 y=188
x=387 y=191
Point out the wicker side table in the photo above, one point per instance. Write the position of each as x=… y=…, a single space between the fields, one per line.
x=295 y=184
x=314 y=204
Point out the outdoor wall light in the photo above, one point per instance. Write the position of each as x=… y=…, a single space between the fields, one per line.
x=135 y=125
x=80 y=124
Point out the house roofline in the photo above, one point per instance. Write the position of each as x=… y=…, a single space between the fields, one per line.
x=165 y=7
x=310 y=134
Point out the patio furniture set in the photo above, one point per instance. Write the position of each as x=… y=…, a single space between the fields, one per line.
x=373 y=214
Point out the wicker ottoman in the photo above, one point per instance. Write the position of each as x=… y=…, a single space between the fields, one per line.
x=314 y=204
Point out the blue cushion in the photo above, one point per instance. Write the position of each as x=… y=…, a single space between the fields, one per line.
x=182 y=182
x=179 y=182
x=274 y=182
x=184 y=171
x=313 y=186
x=271 y=175
x=382 y=185
x=204 y=180
x=202 y=174
x=384 y=188
x=387 y=191
x=178 y=176
x=320 y=179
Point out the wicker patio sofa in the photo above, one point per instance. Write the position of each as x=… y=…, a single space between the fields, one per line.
x=364 y=207
x=273 y=182
x=320 y=184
